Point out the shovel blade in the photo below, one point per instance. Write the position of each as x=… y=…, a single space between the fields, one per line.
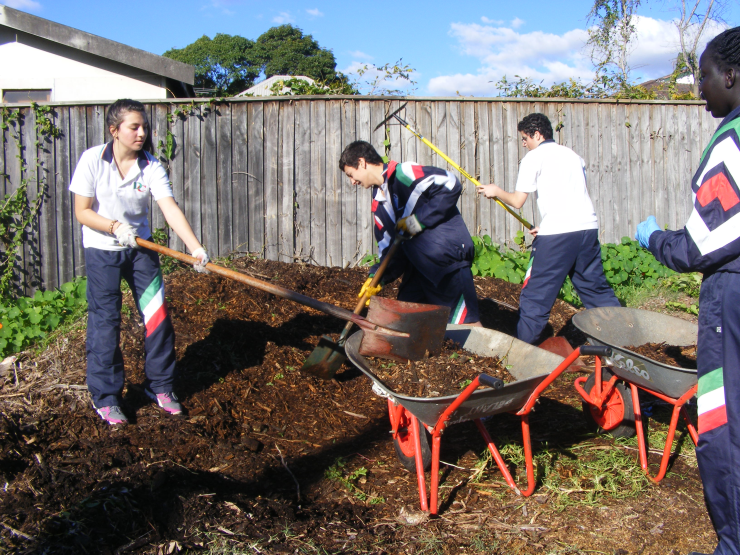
x=425 y=324
x=325 y=360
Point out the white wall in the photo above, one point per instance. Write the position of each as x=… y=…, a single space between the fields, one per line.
x=25 y=67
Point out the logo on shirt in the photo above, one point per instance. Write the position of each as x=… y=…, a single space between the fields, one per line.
x=139 y=187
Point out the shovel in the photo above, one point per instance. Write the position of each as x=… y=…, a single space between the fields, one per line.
x=399 y=320
x=328 y=356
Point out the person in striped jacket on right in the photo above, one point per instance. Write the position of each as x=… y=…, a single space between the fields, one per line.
x=710 y=243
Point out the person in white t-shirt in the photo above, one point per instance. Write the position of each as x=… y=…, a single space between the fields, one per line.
x=567 y=240
x=111 y=186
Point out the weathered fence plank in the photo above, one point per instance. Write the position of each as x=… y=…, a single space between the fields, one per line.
x=261 y=175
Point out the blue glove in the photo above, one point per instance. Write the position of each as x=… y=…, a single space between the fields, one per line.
x=645 y=230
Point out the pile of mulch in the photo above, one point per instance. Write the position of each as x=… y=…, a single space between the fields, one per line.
x=681 y=356
x=270 y=459
x=447 y=373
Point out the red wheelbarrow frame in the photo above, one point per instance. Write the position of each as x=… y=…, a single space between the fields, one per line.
x=398 y=415
x=606 y=395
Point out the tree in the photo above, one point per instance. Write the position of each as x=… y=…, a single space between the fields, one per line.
x=224 y=63
x=611 y=40
x=285 y=50
x=691 y=27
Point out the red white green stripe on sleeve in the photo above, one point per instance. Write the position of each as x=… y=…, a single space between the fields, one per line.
x=461 y=311
x=711 y=401
x=528 y=273
x=152 y=304
x=408 y=172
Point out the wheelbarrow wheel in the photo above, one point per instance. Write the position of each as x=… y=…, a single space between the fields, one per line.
x=616 y=415
x=405 y=444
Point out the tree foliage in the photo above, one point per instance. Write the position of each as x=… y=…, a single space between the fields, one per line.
x=285 y=50
x=611 y=41
x=224 y=63
x=601 y=87
x=694 y=16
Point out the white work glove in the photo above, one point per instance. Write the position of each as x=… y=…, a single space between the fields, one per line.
x=409 y=225
x=126 y=236
x=203 y=259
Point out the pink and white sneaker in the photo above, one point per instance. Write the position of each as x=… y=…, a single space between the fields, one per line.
x=113 y=415
x=168 y=402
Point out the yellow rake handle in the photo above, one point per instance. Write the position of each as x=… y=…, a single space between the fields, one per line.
x=403 y=122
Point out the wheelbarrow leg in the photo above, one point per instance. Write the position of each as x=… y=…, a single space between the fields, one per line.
x=527 y=456
x=496 y=455
x=678 y=408
x=420 y=466
x=434 y=491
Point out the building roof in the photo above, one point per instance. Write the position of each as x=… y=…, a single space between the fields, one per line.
x=660 y=86
x=98 y=46
x=263 y=87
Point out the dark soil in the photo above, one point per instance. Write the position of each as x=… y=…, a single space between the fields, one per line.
x=673 y=355
x=270 y=460
x=437 y=376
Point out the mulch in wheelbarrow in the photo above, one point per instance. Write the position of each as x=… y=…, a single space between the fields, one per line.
x=437 y=376
x=272 y=460
x=680 y=356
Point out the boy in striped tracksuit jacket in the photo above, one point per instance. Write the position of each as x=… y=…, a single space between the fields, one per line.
x=710 y=243
x=419 y=201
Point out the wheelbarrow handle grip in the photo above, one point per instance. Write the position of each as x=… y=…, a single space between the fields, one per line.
x=277 y=290
x=596 y=350
x=490 y=381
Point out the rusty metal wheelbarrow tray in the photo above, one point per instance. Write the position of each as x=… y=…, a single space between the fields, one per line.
x=534 y=368
x=618 y=327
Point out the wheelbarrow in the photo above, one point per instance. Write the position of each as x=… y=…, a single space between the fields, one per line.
x=611 y=399
x=412 y=417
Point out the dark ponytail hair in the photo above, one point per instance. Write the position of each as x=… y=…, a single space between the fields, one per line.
x=725 y=48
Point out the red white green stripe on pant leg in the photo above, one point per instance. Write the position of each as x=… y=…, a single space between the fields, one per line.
x=528 y=272
x=711 y=401
x=461 y=311
x=152 y=304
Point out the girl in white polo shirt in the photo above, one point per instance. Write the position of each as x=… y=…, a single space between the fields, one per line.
x=567 y=240
x=111 y=187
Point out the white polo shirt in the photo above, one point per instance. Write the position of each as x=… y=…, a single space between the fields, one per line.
x=557 y=176
x=125 y=200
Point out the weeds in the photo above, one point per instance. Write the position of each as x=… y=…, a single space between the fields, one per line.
x=336 y=473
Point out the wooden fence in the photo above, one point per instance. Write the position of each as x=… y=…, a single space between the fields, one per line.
x=261 y=175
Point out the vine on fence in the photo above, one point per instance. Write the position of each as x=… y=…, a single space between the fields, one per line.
x=18 y=213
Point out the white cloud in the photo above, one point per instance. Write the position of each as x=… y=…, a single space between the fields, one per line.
x=29 y=5
x=315 y=12
x=550 y=58
x=283 y=17
x=516 y=23
x=484 y=19
x=357 y=54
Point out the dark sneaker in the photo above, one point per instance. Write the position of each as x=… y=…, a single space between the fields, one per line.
x=112 y=415
x=166 y=401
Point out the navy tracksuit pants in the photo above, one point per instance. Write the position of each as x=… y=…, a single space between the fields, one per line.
x=456 y=290
x=140 y=269
x=718 y=369
x=576 y=254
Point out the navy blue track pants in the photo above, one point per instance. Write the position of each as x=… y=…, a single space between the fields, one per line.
x=456 y=290
x=576 y=254
x=718 y=369
x=140 y=269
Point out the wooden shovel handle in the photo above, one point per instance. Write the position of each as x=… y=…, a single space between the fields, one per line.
x=277 y=290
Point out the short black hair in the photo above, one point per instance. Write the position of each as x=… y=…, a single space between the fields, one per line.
x=725 y=48
x=536 y=122
x=356 y=150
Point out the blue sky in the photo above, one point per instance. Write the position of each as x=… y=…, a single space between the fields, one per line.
x=453 y=50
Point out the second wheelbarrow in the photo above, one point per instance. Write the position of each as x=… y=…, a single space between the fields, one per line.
x=611 y=398
x=534 y=368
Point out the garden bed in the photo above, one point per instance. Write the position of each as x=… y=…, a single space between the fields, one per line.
x=270 y=460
